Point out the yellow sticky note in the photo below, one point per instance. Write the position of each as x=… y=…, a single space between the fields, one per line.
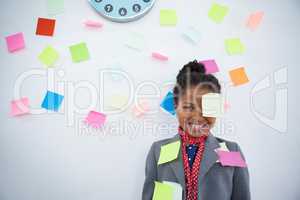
x=217 y=12
x=162 y=191
x=212 y=105
x=169 y=152
x=118 y=101
x=48 y=56
x=168 y=17
x=238 y=76
x=234 y=46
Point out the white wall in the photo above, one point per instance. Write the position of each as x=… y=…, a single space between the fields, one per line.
x=47 y=156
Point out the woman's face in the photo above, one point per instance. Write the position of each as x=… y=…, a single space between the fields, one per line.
x=189 y=112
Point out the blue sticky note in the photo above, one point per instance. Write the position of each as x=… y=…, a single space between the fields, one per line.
x=52 y=101
x=168 y=103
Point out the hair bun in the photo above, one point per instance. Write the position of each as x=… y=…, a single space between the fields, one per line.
x=193 y=67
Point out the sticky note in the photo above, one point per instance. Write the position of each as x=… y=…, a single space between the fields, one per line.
x=168 y=17
x=45 y=27
x=92 y=24
x=159 y=56
x=212 y=105
x=15 y=42
x=238 y=76
x=226 y=106
x=48 y=56
x=177 y=190
x=223 y=147
x=141 y=108
x=162 y=191
x=254 y=20
x=118 y=101
x=234 y=46
x=232 y=158
x=192 y=35
x=52 y=101
x=79 y=52
x=217 y=12
x=55 y=7
x=95 y=119
x=168 y=103
x=168 y=152
x=135 y=41
x=19 y=107
x=210 y=66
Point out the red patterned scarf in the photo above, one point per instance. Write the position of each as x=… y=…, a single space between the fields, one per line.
x=192 y=174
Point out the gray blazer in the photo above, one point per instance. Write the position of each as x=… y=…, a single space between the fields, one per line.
x=215 y=181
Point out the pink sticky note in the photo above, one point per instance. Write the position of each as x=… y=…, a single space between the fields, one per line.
x=232 y=158
x=141 y=109
x=15 y=42
x=95 y=119
x=226 y=106
x=19 y=107
x=254 y=20
x=93 y=24
x=210 y=66
x=159 y=56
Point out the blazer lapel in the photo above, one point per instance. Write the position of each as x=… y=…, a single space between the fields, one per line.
x=177 y=165
x=209 y=157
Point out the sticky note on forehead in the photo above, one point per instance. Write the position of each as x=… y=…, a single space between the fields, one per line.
x=212 y=105
x=162 y=191
x=169 y=152
x=238 y=76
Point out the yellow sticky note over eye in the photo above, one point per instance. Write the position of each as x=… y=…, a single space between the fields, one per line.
x=168 y=17
x=162 y=191
x=238 y=76
x=169 y=152
x=48 y=56
x=234 y=46
x=217 y=12
x=212 y=105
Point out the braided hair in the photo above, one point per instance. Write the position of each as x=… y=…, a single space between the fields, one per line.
x=193 y=74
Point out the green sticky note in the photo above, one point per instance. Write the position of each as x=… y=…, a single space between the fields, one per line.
x=234 y=46
x=168 y=17
x=162 y=191
x=48 y=56
x=217 y=12
x=79 y=52
x=55 y=7
x=212 y=105
x=169 y=152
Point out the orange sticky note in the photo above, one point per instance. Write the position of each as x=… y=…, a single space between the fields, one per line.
x=238 y=76
x=19 y=107
x=254 y=20
x=45 y=27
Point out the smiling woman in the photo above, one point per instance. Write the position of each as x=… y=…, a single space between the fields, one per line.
x=193 y=158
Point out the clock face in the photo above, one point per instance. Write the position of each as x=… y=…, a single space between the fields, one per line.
x=122 y=10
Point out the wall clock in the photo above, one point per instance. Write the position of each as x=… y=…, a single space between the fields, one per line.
x=122 y=10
